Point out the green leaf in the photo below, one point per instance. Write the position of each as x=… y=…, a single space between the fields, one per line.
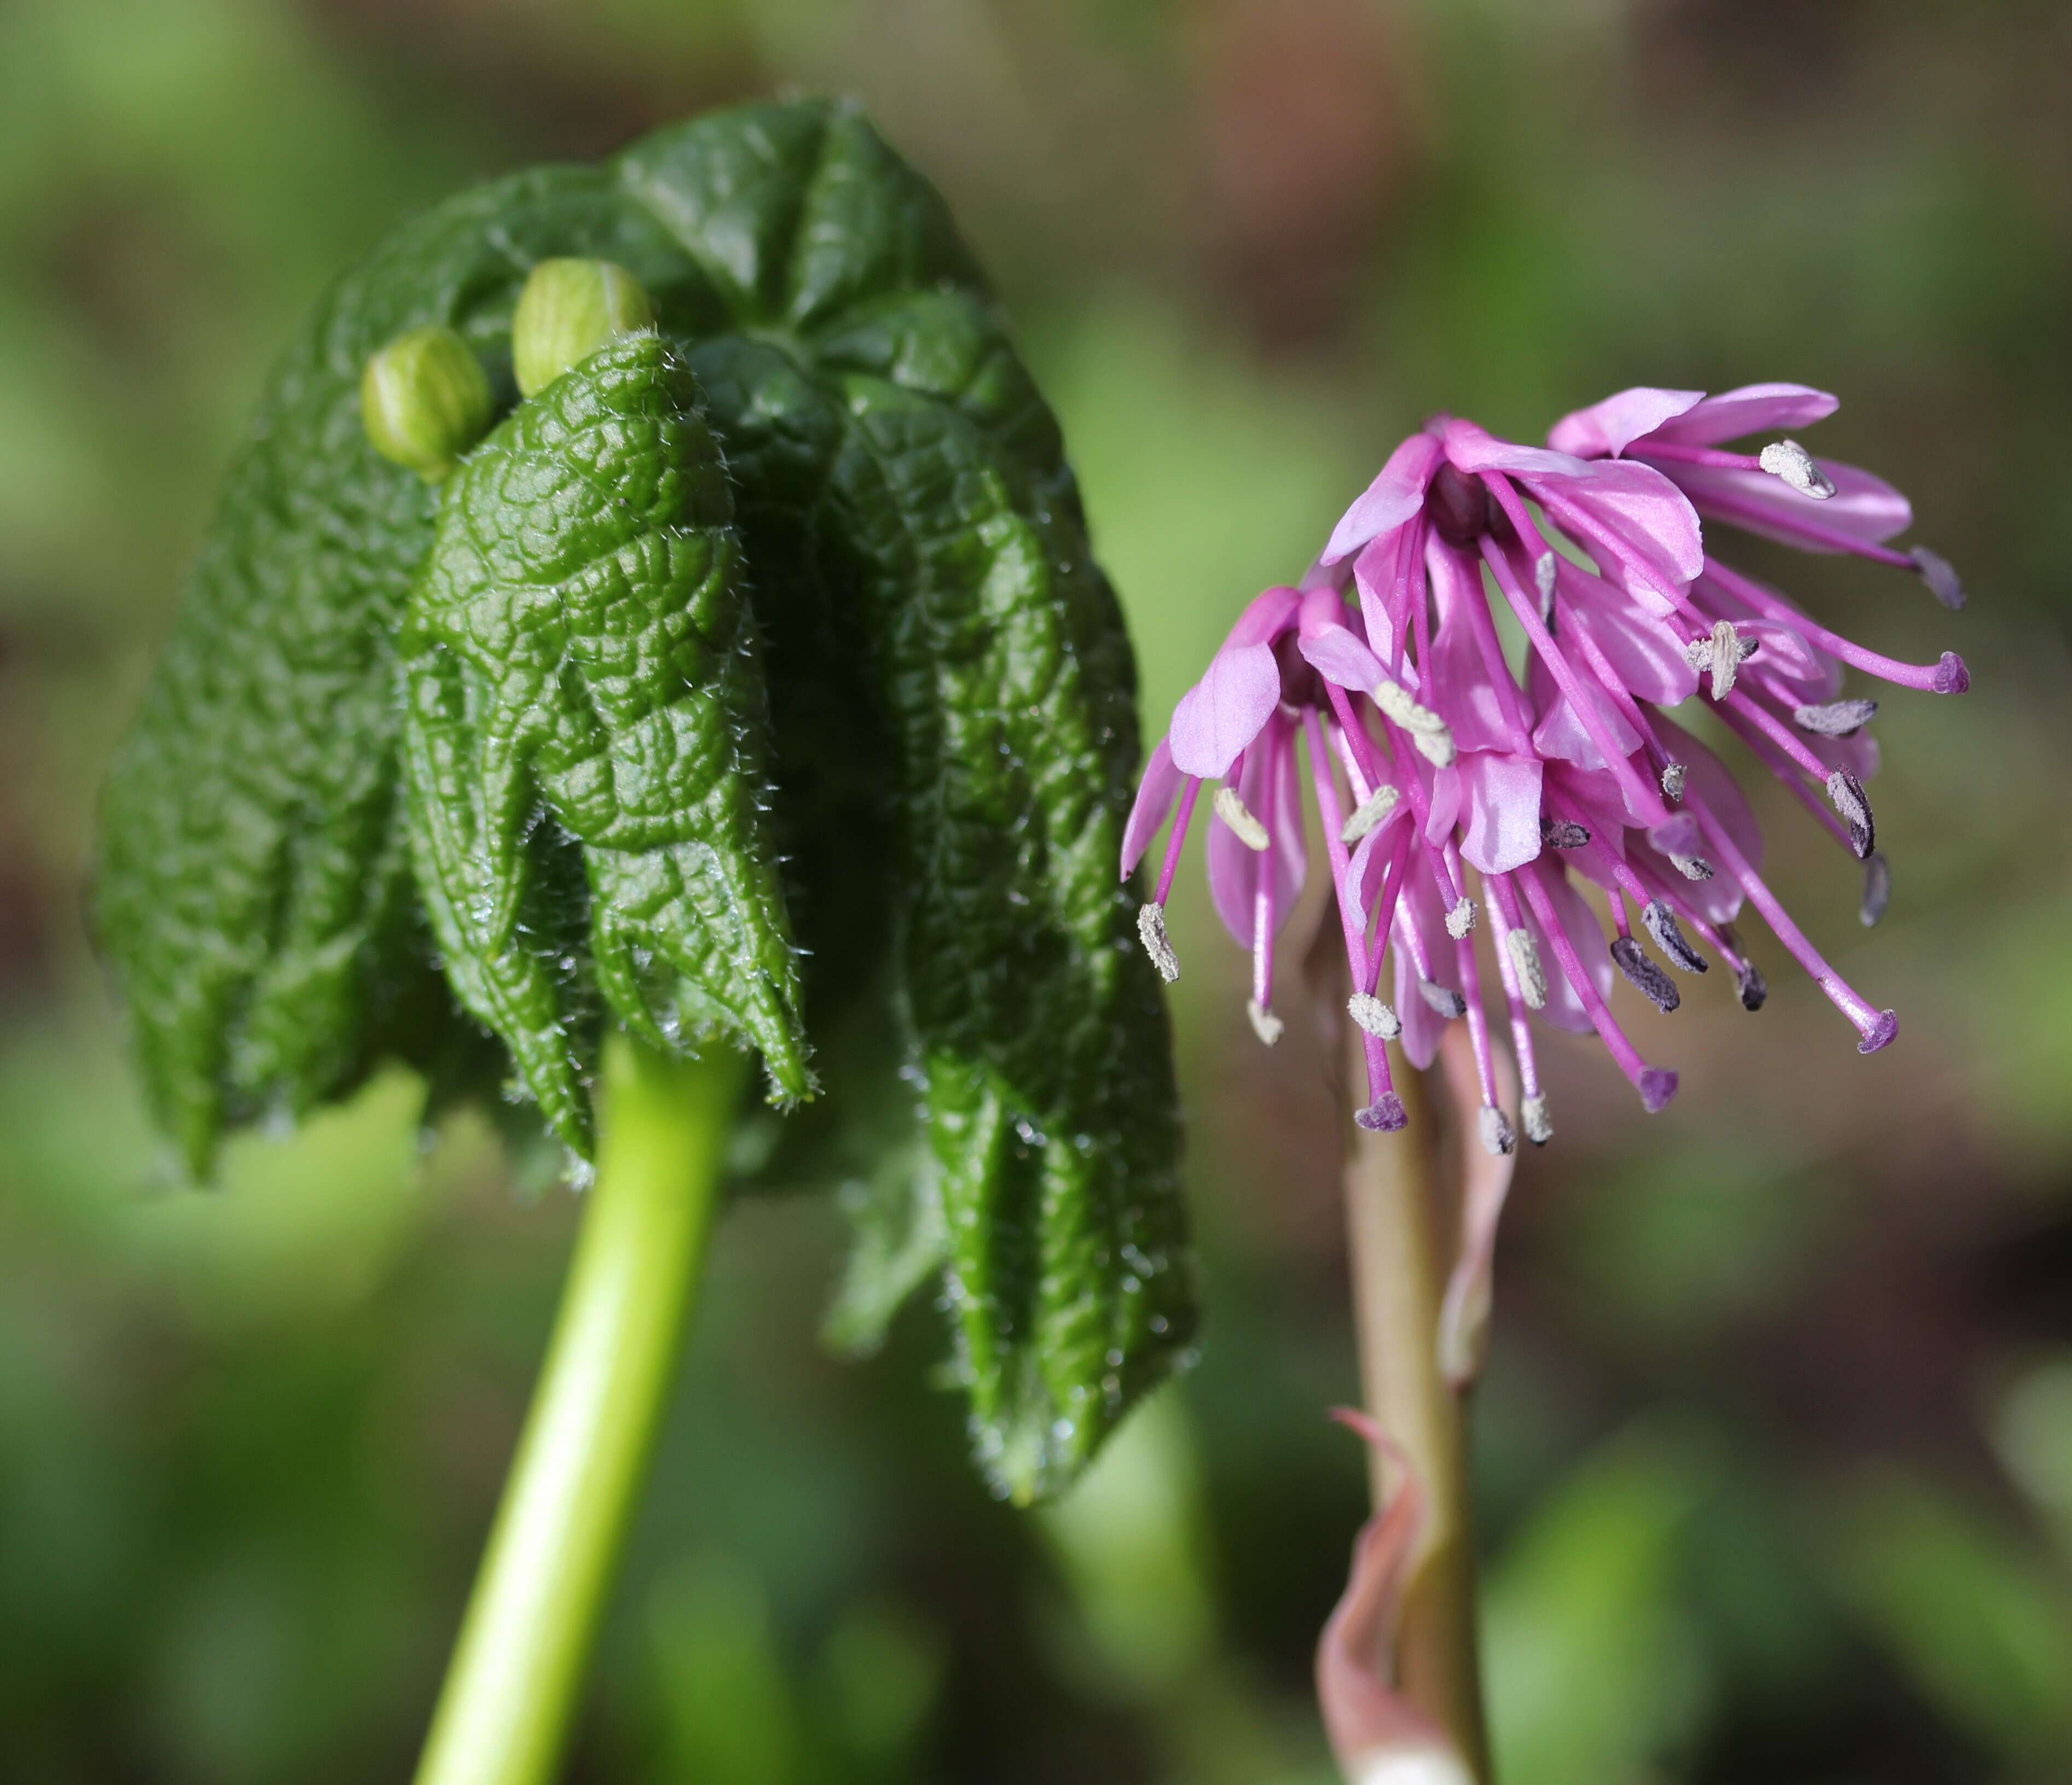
x=582 y=660
x=951 y=736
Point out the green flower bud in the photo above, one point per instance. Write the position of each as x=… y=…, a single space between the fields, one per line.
x=425 y=400
x=568 y=309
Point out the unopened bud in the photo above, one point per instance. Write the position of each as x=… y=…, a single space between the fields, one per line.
x=425 y=400
x=569 y=309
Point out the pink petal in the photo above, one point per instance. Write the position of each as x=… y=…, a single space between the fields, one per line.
x=1155 y=799
x=1234 y=867
x=1423 y=1027
x=1753 y=408
x=1638 y=505
x=1456 y=683
x=1644 y=652
x=1864 y=505
x=1221 y=714
x=1604 y=429
x=1375 y=1731
x=1444 y=811
x=1391 y=499
x=1501 y=797
x=1339 y=657
x=1388 y=574
x=1560 y=731
x=1472 y=450
x=1578 y=923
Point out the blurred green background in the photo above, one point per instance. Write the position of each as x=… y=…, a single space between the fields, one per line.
x=1775 y=1451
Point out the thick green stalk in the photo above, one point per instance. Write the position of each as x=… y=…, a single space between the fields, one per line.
x=517 y=1671
x=1399 y=1224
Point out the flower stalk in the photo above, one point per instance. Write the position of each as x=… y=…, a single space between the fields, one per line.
x=517 y=1671
x=1399 y=1223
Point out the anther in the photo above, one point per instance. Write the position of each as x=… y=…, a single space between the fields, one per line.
x=1236 y=814
x=1444 y=999
x=1943 y=582
x=1661 y=922
x=1835 y=718
x=1373 y=1016
x=1672 y=779
x=1792 y=462
x=1846 y=791
x=1722 y=654
x=1539 y=1118
x=1691 y=867
x=1877 y=887
x=1749 y=985
x=1428 y=732
x=1384 y=1115
x=1265 y=1025
x=1497 y=1136
x=1525 y=960
x=1564 y=833
x=1151 y=928
x=1542 y=576
x=1644 y=976
x=1462 y=918
x=1370 y=812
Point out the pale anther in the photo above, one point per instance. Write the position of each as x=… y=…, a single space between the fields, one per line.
x=1497 y=1136
x=1937 y=572
x=1375 y=1018
x=1792 y=462
x=1265 y=1025
x=1835 y=718
x=1539 y=1118
x=1461 y=919
x=1236 y=814
x=1369 y=813
x=1151 y=928
x=1877 y=887
x=1525 y=962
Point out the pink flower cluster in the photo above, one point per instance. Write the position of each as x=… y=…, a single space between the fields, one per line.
x=1427 y=756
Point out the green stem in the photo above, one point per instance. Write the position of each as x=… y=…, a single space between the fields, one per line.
x=518 y=1669
x=1398 y=1224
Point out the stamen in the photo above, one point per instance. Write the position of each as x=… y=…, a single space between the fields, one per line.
x=1237 y=815
x=1661 y=922
x=1835 y=718
x=1947 y=675
x=1498 y=1138
x=1644 y=976
x=1384 y=1115
x=1432 y=735
x=1749 y=986
x=1846 y=791
x=1672 y=779
x=1877 y=887
x=1151 y=928
x=1177 y=839
x=1373 y=1016
x=1792 y=462
x=1691 y=867
x=1943 y=582
x=1544 y=572
x=1371 y=811
x=1538 y=1117
x=1444 y=999
x=1461 y=919
x=1722 y=654
x=1525 y=959
x=1564 y=833
x=1265 y=1025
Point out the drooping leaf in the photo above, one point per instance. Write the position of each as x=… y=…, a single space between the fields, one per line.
x=952 y=737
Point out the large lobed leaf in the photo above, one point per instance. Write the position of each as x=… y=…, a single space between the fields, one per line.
x=951 y=732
